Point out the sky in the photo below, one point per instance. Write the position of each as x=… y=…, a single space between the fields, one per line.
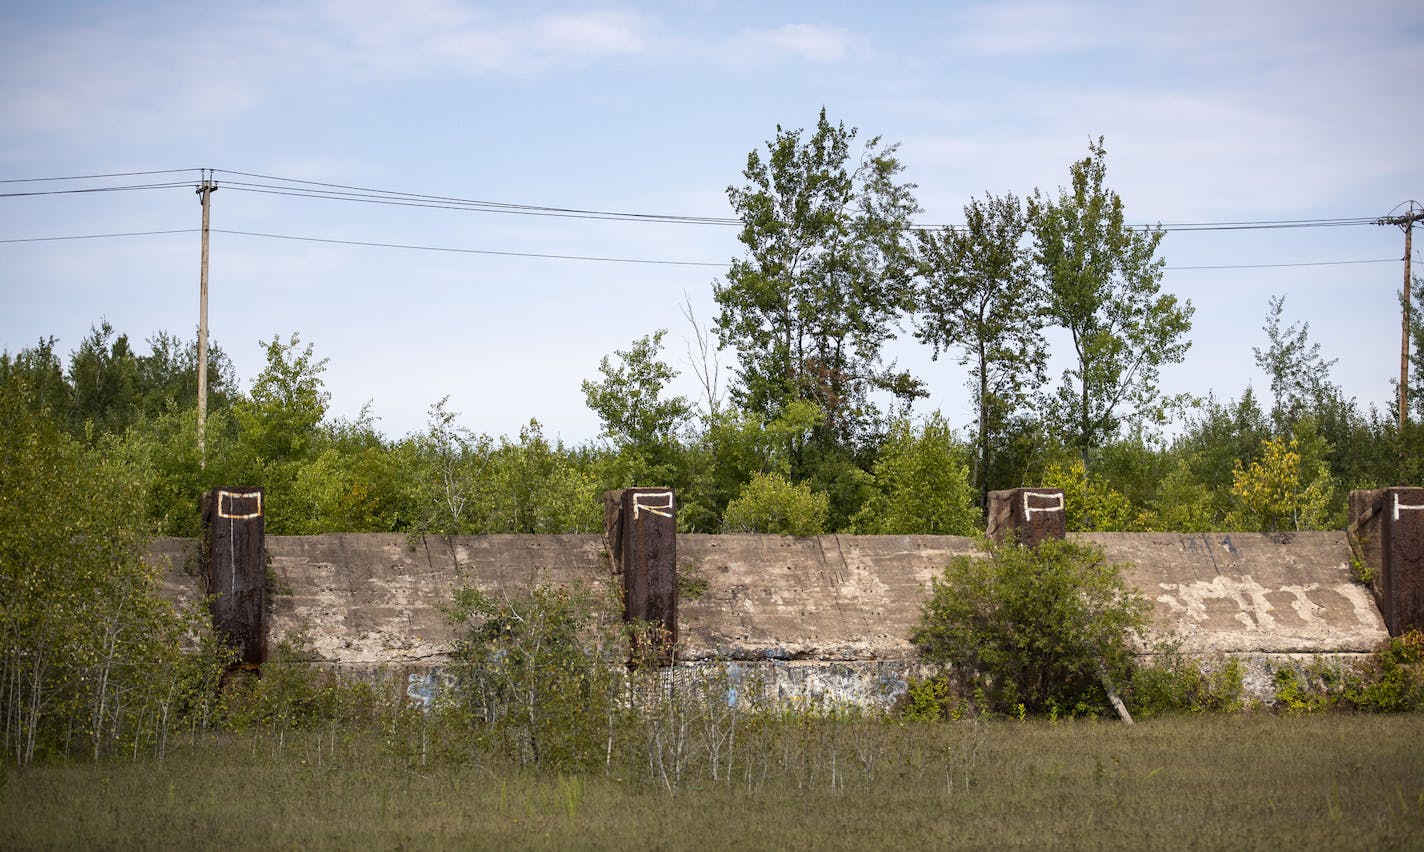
x=1211 y=112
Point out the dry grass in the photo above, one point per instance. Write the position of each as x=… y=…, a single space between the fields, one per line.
x=1238 y=781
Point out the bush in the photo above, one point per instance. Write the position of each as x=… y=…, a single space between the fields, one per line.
x=769 y=503
x=921 y=485
x=1392 y=678
x=542 y=673
x=1042 y=628
x=1177 y=684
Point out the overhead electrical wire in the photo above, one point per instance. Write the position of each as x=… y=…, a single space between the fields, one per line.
x=97 y=177
x=90 y=189
x=100 y=236
x=552 y=256
x=467 y=250
x=300 y=187
x=274 y=185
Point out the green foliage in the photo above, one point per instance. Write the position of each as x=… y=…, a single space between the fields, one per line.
x=278 y=427
x=771 y=504
x=1300 y=377
x=1104 y=287
x=543 y=673
x=1392 y=678
x=1091 y=505
x=643 y=427
x=977 y=296
x=1313 y=690
x=931 y=699
x=1280 y=492
x=1182 y=503
x=93 y=658
x=922 y=484
x=351 y=481
x=1039 y=627
x=462 y=483
x=291 y=694
x=38 y=369
x=826 y=276
x=288 y=401
x=1179 y=684
x=1389 y=680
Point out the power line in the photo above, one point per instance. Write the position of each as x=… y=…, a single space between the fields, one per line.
x=91 y=189
x=98 y=236
x=469 y=251
x=299 y=187
x=96 y=177
x=1276 y=265
x=552 y=256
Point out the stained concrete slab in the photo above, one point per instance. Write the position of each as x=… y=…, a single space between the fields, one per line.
x=824 y=597
x=1272 y=593
x=376 y=600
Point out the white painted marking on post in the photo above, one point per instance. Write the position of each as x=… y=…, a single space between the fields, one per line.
x=1405 y=506
x=659 y=504
x=234 y=495
x=1029 y=510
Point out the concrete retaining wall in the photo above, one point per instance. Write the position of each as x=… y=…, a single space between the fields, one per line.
x=826 y=616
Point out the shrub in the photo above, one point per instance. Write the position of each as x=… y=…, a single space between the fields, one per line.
x=922 y=485
x=542 y=673
x=1177 y=684
x=1392 y=678
x=769 y=503
x=1043 y=627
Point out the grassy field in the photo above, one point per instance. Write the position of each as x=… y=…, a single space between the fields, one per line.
x=1222 y=781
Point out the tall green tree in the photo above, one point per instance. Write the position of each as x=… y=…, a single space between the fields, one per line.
x=642 y=424
x=977 y=296
x=1104 y=287
x=279 y=425
x=825 y=279
x=104 y=371
x=91 y=653
x=922 y=484
x=287 y=403
x=1416 y=348
x=1300 y=376
x=38 y=368
x=169 y=374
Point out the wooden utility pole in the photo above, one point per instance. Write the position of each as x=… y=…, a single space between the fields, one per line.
x=205 y=194
x=1413 y=213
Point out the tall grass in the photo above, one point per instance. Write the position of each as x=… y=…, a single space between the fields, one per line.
x=1332 y=781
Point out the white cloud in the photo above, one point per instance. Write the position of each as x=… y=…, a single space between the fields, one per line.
x=439 y=37
x=808 y=42
x=1002 y=29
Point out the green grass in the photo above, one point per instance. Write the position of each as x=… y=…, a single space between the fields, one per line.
x=1221 y=781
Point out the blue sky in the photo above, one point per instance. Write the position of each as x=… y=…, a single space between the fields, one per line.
x=1212 y=111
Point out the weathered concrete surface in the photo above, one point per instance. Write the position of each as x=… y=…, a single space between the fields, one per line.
x=374 y=599
x=176 y=560
x=826 y=598
x=1240 y=593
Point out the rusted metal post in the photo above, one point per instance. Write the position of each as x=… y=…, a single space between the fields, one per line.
x=1387 y=525
x=642 y=534
x=235 y=565
x=1027 y=515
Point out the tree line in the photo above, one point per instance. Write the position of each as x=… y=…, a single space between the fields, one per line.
x=816 y=431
